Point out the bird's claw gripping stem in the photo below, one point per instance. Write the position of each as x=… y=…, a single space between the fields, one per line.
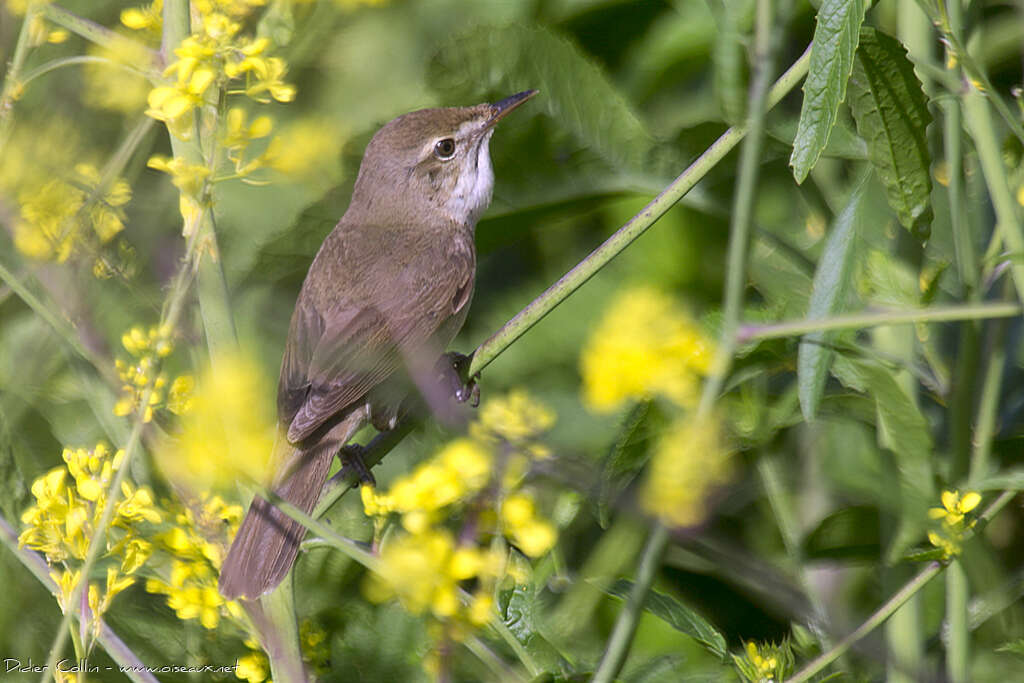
x=353 y=462
x=453 y=368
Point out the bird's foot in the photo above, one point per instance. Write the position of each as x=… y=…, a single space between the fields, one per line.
x=353 y=461
x=454 y=368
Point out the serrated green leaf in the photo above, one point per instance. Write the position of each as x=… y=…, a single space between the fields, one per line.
x=891 y=111
x=573 y=89
x=832 y=281
x=627 y=455
x=1014 y=647
x=850 y=533
x=519 y=611
x=835 y=43
x=678 y=616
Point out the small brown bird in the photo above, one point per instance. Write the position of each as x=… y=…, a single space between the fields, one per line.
x=386 y=293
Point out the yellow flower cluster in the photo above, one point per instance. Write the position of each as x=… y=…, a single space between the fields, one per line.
x=228 y=431
x=478 y=479
x=689 y=461
x=69 y=504
x=208 y=60
x=253 y=667
x=60 y=215
x=765 y=663
x=197 y=543
x=954 y=521
x=147 y=348
x=644 y=346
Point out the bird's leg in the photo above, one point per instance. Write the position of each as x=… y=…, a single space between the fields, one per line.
x=453 y=368
x=353 y=461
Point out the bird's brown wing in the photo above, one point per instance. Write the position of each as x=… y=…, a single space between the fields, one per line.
x=361 y=345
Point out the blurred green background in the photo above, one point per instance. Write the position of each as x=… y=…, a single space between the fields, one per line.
x=631 y=92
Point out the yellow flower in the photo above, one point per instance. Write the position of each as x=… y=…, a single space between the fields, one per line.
x=644 y=346
x=954 y=507
x=766 y=663
x=515 y=417
x=253 y=667
x=689 y=461
x=307 y=150
x=189 y=178
x=955 y=525
x=229 y=431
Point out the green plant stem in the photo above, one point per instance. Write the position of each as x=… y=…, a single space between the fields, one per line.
x=585 y=269
x=933 y=314
x=909 y=589
x=621 y=639
x=957 y=652
x=988 y=406
x=12 y=80
x=625 y=626
x=55 y=64
x=100 y=35
x=169 y=316
x=990 y=156
x=135 y=670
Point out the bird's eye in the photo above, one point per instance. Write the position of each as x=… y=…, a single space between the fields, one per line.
x=444 y=149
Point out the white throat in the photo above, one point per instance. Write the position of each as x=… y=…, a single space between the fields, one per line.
x=472 y=193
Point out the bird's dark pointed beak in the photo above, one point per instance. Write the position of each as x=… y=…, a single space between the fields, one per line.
x=501 y=108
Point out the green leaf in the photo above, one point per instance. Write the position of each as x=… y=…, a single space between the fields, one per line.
x=628 y=455
x=892 y=116
x=727 y=59
x=678 y=616
x=1010 y=480
x=519 y=611
x=850 y=533
x=835 y=42
x=1014 y=647
x=574 y=90
x=903 y=430
x=828 y=296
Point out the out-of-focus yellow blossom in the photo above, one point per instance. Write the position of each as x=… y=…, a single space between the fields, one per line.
x=424 y=571
x=54 y=214
x=239 y=134
x=146 y=18
x=65 y=518
x=767 y=663
x=954 y=521
x=253 y=667
x=196 y=543
x=315 y=648
x=689 y=461
x=644 y=346
x=189 y=178
x=307 y=150
x=532 y=534
x=38 y=31
x=140 y=375
x=516 y=418
x=115 y=84
x=229 y=431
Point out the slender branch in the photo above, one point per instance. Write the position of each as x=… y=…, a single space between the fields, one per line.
x=115 y=647
x=170 y=316
x=12 y=80
x=989 y=154
x=739 y=245
x=100 y=35
x=931 y=570
x=934 y=314
x=614 y=245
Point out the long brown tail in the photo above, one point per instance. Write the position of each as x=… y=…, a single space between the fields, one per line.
x=268 y=540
